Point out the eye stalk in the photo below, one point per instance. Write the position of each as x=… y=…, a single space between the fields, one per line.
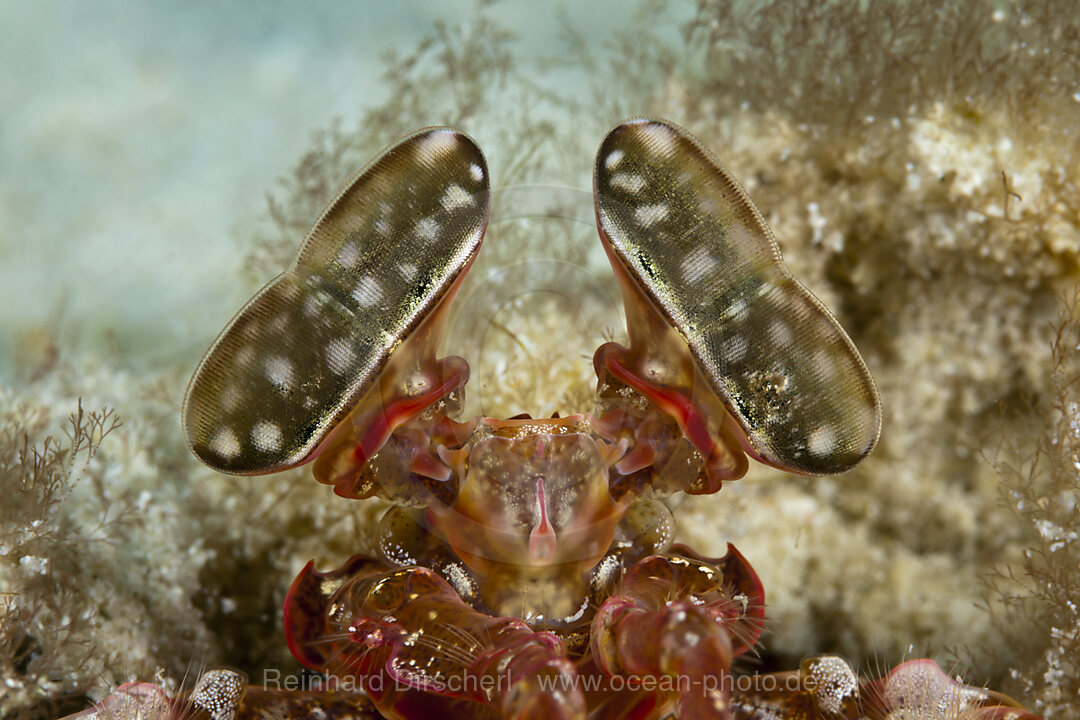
x=720 y=331
x=370 y=281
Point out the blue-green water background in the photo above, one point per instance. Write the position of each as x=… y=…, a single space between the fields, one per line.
x=139 y=141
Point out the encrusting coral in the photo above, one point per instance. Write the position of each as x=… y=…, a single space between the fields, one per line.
x=919 y=165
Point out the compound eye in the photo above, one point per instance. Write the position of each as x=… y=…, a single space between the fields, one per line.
x=698 y=251
x=301 y=354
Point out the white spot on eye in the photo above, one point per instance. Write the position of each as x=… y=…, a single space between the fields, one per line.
x=277 y=325
x=627 y=181
x=340 y=356
x=733 y=348
x=657 y=134
x=649 y=215
x=698 y=263
x=825 y=365
x=822 y=441
x=266 y=436
x=312 y=305
x=868 y=413
x=367 y=292
x=348 y=255
x=309 y=402
x=477 y=172
x=710 y=203
x=230 y=398
x=613 y=158
x=455 y=197
x=382 y=225
x=245 y=356
x=408 y=270
x=280 y=372
x=224 y=444
x=780 y=333
x=737 y=309
x=427 y=228
x=438 y=142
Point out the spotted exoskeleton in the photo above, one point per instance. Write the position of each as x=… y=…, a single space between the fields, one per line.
x=526 y=568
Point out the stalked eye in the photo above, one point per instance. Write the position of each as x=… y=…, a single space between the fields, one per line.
x=697 y=251
x=386 y=253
